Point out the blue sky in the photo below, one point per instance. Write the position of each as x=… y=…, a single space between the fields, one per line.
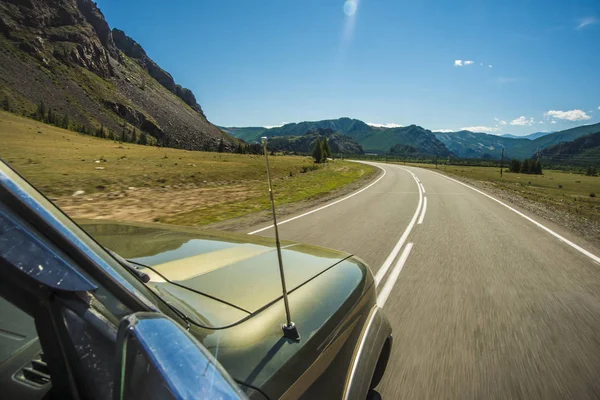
x=498 y=66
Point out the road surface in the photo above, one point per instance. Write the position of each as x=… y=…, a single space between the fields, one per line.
x=484 y=303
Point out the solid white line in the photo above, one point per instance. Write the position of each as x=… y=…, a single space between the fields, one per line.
x=389 y=285
x=388 y=261
x=550 y=231
x=423 y=211
x=423 y=188
x=324 y=207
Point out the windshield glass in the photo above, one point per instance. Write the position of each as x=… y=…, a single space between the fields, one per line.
x=268 y=173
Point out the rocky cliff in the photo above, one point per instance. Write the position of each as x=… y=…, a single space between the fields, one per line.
x=63 y=53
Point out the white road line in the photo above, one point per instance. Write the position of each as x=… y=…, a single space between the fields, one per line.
x=423 y=188
x=423 y=211
x=388 y=261
x=389 y=285
x=324 y=207
x=550 y=231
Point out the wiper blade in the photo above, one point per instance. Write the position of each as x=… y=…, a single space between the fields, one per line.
x=144 y=277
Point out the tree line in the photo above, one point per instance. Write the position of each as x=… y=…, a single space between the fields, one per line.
x=321 y=150
x=527 y=166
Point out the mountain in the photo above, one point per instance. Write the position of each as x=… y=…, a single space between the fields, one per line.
x=62 y=53
x=583 y=151
x=248 y=134
x=304 y=143
x=531 y=136
x=467 y=144
x=372 y=139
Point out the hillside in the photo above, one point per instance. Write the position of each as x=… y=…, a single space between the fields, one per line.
x=372 y=139
x=64 y=54
x=467 y=144
x=106 y=179
x=583 y=151
x=339 y=144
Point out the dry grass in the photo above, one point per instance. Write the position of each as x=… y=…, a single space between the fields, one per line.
x=145 y=183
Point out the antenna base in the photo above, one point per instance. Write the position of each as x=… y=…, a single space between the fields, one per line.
x=291 y=332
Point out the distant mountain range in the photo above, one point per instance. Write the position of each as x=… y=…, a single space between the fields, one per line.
x=531 y=136
x=417 y=140
x=372 y=139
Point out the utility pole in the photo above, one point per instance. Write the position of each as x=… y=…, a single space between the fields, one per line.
x=502 y=163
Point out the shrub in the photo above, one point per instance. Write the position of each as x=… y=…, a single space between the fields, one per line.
x=592 y=194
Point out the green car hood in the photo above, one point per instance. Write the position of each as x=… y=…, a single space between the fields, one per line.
x=219 y=278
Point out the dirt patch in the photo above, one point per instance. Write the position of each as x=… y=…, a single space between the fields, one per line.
x=149 y=204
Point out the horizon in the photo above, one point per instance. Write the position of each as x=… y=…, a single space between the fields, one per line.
x=495 y=68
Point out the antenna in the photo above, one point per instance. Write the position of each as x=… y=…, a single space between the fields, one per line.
x=289 y=329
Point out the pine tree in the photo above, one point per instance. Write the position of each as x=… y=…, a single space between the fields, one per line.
x=66 y=122
x=143 y=138
x=40 y=113
x=100 y=131
x=525 y=167
x=134 y=137
x=317 y=152
x=6 y=104
x=326 y=148
x=240 y=150
x=221 y=147
x=515 y=166
x=50 y=118
x=538 y=167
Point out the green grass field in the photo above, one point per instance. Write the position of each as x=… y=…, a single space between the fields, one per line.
x=145 y=183
x=571 y=192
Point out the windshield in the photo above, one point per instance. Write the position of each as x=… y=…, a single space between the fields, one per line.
x=269 y=172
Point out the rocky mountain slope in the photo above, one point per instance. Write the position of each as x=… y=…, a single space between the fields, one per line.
x=583 y=151
x=64 y=54
x=304 y=144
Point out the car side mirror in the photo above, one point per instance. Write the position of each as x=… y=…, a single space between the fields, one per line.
x=158 y=359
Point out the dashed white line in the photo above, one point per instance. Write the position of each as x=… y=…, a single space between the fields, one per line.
x=388 y=261
x=423 y=211
x=389 y=285
x=321 y=208
x=423 y=188
x=550 y=231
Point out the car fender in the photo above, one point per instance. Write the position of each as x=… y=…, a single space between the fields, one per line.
x=374 y=345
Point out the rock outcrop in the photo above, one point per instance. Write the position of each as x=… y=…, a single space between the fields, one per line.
x=64 y=53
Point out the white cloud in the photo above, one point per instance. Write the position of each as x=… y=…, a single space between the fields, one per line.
x=540 y=122
x=479 y=128
x=553 y=122
x=598 y=107
x=522 y=121
x=469 y=62
x=573 y=115
x=490 y=65
x=443 y=130
x=586 y=21
x=458 y=63
x=498 y=120
x=388 y=125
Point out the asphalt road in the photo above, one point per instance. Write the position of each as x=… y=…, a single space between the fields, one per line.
x=484 y=303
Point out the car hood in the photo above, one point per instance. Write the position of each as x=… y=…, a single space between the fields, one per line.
x=224 y=277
